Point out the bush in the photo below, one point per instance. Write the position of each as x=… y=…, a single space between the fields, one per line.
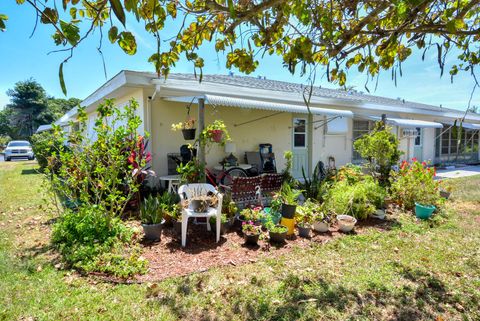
x=107 y=172
x=4 y=139
x=415 y=183
x=92 y=241
x=380 y=149
x=358 y=196
x=45 y=146
x=98 y=179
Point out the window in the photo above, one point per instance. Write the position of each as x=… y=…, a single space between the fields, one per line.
x=360 y=128
x=447 y=145
x=299 y=132
x=418 y=137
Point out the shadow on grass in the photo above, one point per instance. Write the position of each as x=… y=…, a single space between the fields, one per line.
x=424 y=298
x=30 y=171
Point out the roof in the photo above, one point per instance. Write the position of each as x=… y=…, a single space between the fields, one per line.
x=283 y=86
x=43 y=128
x=254 y=87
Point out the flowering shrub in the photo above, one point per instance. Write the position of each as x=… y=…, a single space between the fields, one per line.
x=415 y=183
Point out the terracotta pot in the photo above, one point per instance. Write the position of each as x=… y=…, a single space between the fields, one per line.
x=216 y=135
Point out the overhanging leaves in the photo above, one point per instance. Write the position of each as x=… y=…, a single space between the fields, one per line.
x=62 y=81
x=3 y=18
x=118 y=10
x=71 y=32
x=127 y=42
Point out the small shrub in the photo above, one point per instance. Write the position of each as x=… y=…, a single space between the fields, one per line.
x=358 y=199
x=415 y=183
x=92 y=241
x=380 y=149
x=46 y=147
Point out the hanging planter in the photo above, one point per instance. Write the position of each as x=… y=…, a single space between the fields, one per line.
x=216 y=135
x=189 y=134
x=187 y=127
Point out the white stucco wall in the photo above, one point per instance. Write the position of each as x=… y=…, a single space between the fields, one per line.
x=325 y=145
x=134 y=93
x=429 y=144
x=275 y=130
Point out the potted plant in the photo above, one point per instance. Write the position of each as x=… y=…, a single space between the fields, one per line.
x=177 y=220
x=191 y=172
x=445 y=192
x=288 y=196
x=346 y=223
x=380 y=209
x=169 y=205
x=215 y=132
x=151 y=216
x=199 y=200
x=277 y=233
x=251 y=232
x=424 y=211
x=304 y=217
x=187 y=127
x=224 y=224
x=251 y=214
x=321 y=222
x=230 y=209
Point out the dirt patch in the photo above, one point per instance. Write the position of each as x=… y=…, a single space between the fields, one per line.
x=167 y=258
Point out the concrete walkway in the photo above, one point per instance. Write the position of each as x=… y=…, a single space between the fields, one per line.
x=458 y=172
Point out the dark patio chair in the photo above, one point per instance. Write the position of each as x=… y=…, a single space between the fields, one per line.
x=243 y=190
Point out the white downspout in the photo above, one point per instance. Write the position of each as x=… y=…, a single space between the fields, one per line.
x=149 y=123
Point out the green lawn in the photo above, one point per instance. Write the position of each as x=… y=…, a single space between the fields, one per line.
x=426 y=270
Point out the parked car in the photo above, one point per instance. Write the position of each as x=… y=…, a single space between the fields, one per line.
x=18 y=149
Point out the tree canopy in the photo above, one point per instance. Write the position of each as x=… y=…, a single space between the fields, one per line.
x=369 y=35
x=30 y=107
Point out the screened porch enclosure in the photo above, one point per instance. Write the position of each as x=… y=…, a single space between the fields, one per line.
x=448 y=150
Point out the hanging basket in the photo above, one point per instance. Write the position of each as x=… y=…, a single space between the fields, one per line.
x=216 y=135
x=189 y=134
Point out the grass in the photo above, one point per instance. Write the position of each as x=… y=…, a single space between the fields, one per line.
x=416 y=270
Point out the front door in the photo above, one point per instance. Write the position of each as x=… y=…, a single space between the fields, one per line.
x=300 y=147
x=418 y=145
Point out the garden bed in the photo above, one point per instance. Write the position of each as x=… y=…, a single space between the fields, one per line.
x=167 y=258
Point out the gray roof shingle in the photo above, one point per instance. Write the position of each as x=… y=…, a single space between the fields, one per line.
x=283 y=86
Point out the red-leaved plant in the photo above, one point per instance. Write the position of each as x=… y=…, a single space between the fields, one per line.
x=415 y=183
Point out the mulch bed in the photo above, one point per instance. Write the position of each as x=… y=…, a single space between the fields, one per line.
x=167 y=258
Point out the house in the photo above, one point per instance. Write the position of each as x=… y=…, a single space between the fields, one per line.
x=259 y=110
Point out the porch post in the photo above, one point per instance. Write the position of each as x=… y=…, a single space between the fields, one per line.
x=201 y=127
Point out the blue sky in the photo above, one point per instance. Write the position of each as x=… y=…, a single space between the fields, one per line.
x=22 y=57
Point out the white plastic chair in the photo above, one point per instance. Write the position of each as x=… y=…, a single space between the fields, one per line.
x=185 y=192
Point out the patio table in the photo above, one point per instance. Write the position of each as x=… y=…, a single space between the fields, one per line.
x=242 y=166
x=173 y=181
